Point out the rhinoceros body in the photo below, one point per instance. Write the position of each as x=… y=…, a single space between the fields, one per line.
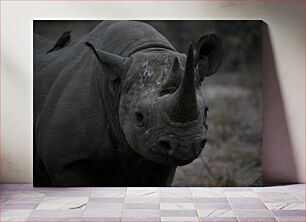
x=106 y=107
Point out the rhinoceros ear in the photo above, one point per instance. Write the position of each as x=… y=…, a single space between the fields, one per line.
x=114 y=62
x=208 y=55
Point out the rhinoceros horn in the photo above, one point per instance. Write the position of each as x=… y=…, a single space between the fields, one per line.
x=182 y=105
x=173 y=79
x=118 y=63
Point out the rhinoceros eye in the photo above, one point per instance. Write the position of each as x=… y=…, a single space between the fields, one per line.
x=139 y=119
x=168 y=90
x=205 y=112
x=205 y=117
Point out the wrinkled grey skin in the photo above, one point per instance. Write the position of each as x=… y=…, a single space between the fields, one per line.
x=124 y=110
x=160 y=139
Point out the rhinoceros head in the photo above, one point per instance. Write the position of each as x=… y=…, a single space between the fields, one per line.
x=161 y=108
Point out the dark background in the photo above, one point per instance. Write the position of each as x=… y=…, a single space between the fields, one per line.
x=232 y=156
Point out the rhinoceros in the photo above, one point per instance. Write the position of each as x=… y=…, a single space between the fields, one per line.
x=119 y=106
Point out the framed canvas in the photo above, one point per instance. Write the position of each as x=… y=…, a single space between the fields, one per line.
x=147 y=103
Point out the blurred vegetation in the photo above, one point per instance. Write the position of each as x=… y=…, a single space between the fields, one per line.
x=232 y=156
x=241 y=39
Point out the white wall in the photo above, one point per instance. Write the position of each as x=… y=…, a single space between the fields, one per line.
x=286 y=26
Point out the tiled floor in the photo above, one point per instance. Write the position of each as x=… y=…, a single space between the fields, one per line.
x=22 y=202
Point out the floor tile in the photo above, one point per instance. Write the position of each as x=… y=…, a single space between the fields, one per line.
x=245 y=200
x=103 y=213
x=210 y=200
x=237 y=189
x=285 y=206
x=277 y=189
x=207 y=192
x=66 y=189
x=216 y=213
x=141 y=213
x=141 y=206
x=108 y=189
x=32 y=200
x=115 y=193
x=255 y=219
x=14 y=214
x=20 y=202
x=133 y=192
x=218 y=219
x=177 y=206
x=54 y=219
x=91 y=205
x=10 y=186
x=106 y=200
x=179 y=219
x=29 y=187
x=240 y=194
x=289 y=213
x=291 y=219
x=178 y=213
x=273 y=197
x=68 y=193
x=20 y=206
x=62 y=203
x=255 y=213
x=176 y=200
x=3 y=200
x=224 y=205
x=142 y=200
x=281 y=200
x=140 y=219
x=25 y=194
x=302 y=192
x=175 y=193
x=296 y=187
x=248 y=206
x=101 y=219
x=55 y=215
x=175 y=189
